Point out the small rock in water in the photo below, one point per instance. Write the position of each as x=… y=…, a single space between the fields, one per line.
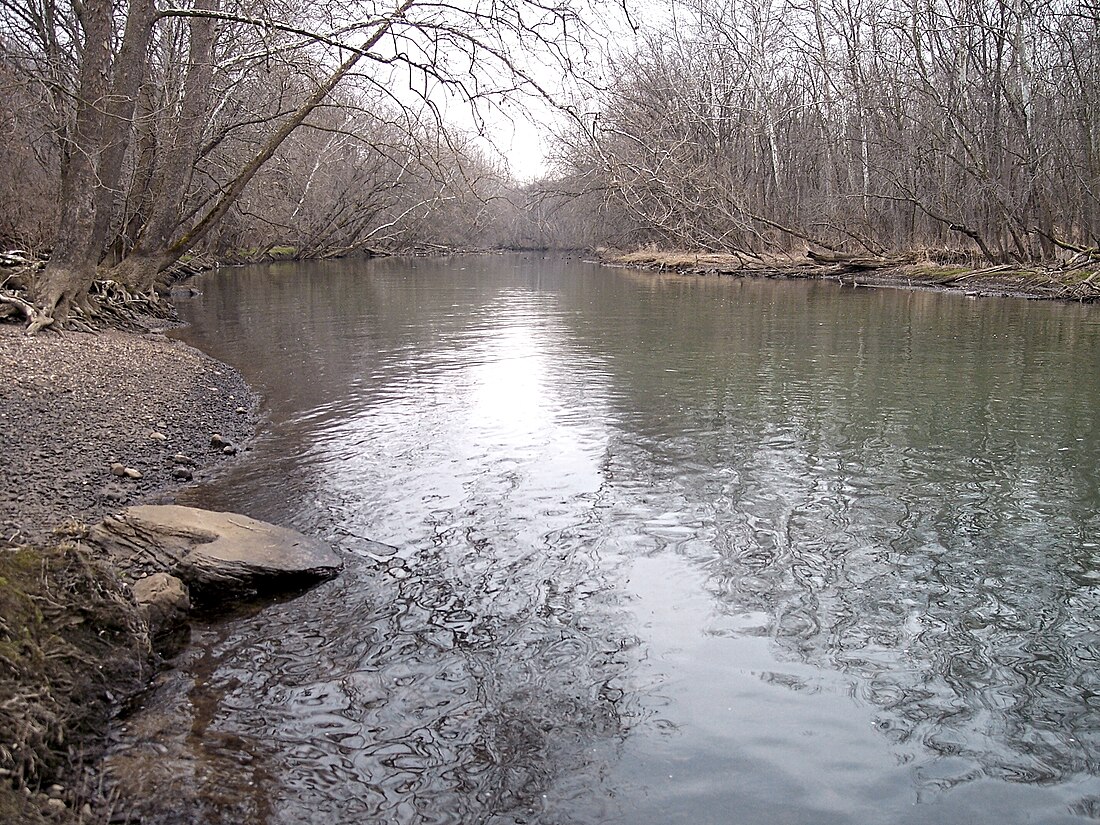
x=186 y=460
x=229 y=449
x=182 y=474
x=165 y=602
x=118 y=469
x=158 y=436
x=217 y=442
x=130 y=472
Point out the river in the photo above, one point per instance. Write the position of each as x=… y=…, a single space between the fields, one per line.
x=661 y=549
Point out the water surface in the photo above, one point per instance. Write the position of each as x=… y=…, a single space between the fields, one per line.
x=668 y=550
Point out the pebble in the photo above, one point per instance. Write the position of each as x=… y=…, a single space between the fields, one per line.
x=56 y=805
x=55 y=791
x=112 y=494
x=130 y=472
x=180 y=458
x=229 y=449
x=217 y=441
x=118 y=469
x=241 y=411
x=182 y=474
x=158 y=436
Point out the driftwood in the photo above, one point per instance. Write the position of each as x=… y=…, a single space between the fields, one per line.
x=848 y=263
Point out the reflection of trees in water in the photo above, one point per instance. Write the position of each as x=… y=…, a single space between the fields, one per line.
x=875 y=478
x=955 y=595
x=459 y=687
x=899 y=487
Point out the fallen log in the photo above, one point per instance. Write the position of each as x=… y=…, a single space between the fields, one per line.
x=853 y=262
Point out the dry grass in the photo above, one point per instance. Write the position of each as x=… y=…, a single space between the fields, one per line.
x=72 y=646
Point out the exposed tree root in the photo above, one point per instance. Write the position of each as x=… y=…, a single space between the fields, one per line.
x=108 y=305
x=14 y=303
x=11 y=305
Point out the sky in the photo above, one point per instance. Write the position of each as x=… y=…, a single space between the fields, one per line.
x=522 y=132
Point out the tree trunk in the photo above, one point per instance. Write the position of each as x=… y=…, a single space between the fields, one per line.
x=173 y=178
x=72 y=265
x=148 y=259
x=128 y=76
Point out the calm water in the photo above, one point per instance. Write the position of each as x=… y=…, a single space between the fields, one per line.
x=668 y=550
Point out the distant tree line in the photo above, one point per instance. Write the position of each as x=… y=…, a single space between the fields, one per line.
x=968 y=127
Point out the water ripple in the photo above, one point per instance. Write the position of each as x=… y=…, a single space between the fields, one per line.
x=663 y=549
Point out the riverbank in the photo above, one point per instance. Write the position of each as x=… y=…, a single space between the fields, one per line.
x=89 y=424
x=1078 y=282
x=74 y=406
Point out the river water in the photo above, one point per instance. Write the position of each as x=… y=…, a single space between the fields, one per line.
x=661 y=550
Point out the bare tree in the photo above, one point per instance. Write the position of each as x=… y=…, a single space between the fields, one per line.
x=963 y=127
x=141 y=176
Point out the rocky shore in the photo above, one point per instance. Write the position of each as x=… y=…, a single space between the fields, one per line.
x=78 y=411
x=89 y=425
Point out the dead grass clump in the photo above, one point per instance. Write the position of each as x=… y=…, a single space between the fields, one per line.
x=72 y=646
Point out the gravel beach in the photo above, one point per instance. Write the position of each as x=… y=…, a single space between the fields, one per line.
x=78 y=411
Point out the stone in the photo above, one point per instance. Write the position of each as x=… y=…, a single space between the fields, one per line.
x=130 y=472
x=217 y=442
x=214 y=554
x=182 y=474
x=229 y=449
x=118 y=469
x=241 y=411
x=55 y=805
x=165 y=603
x=180 y=458
x=157 y=436
x=55 y=791
x=112 y=493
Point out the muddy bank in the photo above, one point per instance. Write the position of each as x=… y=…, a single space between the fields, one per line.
x=1071 y=283
x=89 y=424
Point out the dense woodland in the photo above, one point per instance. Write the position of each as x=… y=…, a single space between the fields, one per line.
x=874 y=126
x=138 y=133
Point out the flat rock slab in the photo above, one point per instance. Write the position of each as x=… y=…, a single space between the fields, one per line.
x=213 y=553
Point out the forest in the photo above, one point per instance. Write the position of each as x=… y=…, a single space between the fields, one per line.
x=142 y=134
